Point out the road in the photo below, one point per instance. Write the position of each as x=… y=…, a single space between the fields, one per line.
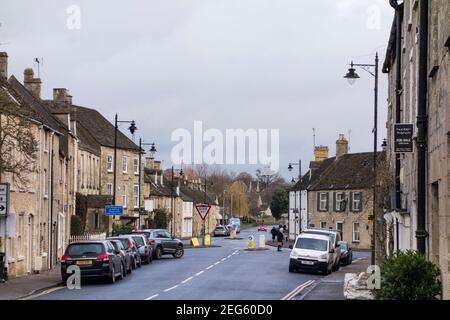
x=218 y=273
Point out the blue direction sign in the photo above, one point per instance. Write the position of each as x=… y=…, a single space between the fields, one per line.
x=113 y=210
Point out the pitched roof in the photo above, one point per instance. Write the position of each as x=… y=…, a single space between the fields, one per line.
x=101 y=129
x=309 y=178
x=351 y=171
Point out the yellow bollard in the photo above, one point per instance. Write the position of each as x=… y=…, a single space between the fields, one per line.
x=251 y=242
x=194 y=242
x=207 y=240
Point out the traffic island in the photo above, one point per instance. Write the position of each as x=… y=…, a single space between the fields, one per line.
x=256 y=249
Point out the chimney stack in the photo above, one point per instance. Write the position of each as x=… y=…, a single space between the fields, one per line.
x=62 y=95
x=3 y=66
x=341 y=146
x=321 y=153
x=31 y=83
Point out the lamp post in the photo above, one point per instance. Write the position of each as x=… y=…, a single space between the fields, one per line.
x=299 y=211
x=352 y=76
x=173 y=199
x=132 y=128
x=141 y=152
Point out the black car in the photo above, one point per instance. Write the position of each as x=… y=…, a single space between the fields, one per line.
x=96 y=259
x=163 y=243
x=346 y=253
x=126 y=254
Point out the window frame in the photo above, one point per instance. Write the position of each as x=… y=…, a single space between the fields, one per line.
x=321 y=201
x=359 y=201
x=136 y=166
x=110 y=164
x=354 y=232
x=125 y=164
x=124 y=196
x=136 y=196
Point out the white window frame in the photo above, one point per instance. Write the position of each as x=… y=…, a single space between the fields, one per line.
x=110 y=163
x=356 y=231
x=323 y=201
x=124 y=196
x=339 y=201
x=125 y=164
x=109 y=189
x=136 y=196
x=136 y=166
x=356 y=201
x=45 y=183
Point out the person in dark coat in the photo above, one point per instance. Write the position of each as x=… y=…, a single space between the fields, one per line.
x=280 y=238
x=274 y=233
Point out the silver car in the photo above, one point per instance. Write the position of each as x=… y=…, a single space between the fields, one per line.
x=221 y=231
x=145 y=250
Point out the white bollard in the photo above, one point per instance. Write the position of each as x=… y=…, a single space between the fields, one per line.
x=262 y=241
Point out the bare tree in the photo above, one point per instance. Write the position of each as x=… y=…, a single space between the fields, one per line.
x=18 y=146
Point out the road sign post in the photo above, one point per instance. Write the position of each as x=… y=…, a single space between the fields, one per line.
x=4 y=199
x=203 y=210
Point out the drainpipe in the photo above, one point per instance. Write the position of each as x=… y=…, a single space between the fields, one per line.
x=422 y=119
x=50 y=205
x=398 y=98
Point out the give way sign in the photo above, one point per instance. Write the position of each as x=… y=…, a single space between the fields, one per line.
x=203 y=210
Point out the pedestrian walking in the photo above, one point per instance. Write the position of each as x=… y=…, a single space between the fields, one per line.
x=280 y=238
x=274 y=233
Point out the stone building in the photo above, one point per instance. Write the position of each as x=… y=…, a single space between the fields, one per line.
x=402 y=66
x=37 y=228
x=337 y=194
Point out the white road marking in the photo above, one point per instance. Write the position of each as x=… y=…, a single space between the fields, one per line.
x=187 y=280
x=33 y=296
x=171 y=288
x=297 y=290
x=216 y=263
x=229 y=256
x=152 y=297
x=199 y=273
x=210 y=267
x=223 y=259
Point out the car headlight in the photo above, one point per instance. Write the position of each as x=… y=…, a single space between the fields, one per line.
x=323 y=257
x=294 y=255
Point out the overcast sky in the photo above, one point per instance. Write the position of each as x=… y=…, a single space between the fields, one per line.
x=263 y=64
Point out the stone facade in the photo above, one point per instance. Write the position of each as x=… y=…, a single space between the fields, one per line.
x=404 y=220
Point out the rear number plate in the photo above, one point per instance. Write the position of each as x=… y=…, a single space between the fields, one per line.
x=83 y=262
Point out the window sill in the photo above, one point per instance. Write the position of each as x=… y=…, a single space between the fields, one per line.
x=11 y=260
x=355 y=241
x=20 y=258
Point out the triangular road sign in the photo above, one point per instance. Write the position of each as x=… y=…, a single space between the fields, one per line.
x=203 y=210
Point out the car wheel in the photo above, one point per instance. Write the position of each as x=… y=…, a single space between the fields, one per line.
x=130 y=267
x=158 y=253
x=291 y=268
x=133 y=264
x=140 y=262
x=112 y=278
x=122 y=271
x=179 y=253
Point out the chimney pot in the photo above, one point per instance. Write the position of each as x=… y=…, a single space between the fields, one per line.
x=62 y=95
x=321 y=153
x=341 y=146
x=3 y=65
x=31 y=83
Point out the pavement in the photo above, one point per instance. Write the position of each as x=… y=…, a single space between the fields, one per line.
x=331 y=287
x=225 y=272
x=21 y=287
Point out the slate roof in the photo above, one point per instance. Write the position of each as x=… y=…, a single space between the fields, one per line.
x=351 y=171
x=39 y=111
x=100 y=128
x=98 y=201
x=308 y=179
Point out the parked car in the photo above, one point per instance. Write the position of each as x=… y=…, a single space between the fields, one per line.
x=145 y=250
x=137 y=260
x=346 y=253
x=335 y=237
x=127 y=255
x=312 y=252
x=96 y=259
x=164 y=243
x=221 y=231
x=262 y=228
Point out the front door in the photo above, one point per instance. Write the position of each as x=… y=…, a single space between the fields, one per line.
x=340 y=228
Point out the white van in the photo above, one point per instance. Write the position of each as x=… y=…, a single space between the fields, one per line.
x=312 y=252
x=335 y=239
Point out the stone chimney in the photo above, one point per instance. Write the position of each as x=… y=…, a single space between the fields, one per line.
x=3 y=65
x=320 y=153
x=62 y=95
x=341 y=146
x=31 y=83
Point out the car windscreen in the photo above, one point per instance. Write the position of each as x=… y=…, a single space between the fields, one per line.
x=344 y=246
x=85 y=249
x=219 y=228
x=311 y=244
x=139 y=241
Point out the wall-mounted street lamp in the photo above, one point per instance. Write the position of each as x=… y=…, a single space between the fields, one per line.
x=299 y=210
